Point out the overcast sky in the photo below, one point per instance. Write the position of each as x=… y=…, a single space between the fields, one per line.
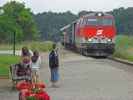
x=73 y=5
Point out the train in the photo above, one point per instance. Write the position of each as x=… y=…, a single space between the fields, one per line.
x=91 y=35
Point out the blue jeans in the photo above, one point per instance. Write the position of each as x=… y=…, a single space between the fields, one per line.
x=54 y=74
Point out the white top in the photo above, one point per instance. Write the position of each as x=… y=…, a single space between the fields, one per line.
x=37 y=64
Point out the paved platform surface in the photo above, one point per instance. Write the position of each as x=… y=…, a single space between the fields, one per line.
x=83 y=78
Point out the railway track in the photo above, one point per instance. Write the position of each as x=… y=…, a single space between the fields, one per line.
x=103 y=57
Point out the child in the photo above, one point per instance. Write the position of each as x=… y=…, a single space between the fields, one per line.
x=35 y=65
x=25 y=57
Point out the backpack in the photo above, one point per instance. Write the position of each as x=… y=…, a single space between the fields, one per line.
x=53 y=59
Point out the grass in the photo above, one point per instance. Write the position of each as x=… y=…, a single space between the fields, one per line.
x=5 y=62
x=41 y=46
x=124 y=47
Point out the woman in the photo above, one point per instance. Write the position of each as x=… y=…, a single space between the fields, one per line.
x=24 y=66
x=54 y=65
x=26 y=62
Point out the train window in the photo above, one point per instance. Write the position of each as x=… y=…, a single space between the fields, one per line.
x=101 y=21
x=107 y=22
x=92 y=21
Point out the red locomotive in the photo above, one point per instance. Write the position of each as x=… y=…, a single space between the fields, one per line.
x=92 y=34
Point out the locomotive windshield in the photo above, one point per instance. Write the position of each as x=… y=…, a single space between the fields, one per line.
x=106 y=22
x=101 y=21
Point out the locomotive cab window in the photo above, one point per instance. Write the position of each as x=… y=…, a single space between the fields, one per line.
x=99 y=21
x=106 y=22
x=92 y=21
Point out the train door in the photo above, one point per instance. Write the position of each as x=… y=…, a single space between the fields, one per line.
x=73 y=33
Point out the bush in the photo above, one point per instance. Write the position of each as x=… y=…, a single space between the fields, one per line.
x=33 y=45
x=124 y=47
x=41 y=46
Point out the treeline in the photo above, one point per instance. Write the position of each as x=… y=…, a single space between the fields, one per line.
x=124 y=20
x=18 y=19
x=49 y=23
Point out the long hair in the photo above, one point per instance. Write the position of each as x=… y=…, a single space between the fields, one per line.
x=25 y=51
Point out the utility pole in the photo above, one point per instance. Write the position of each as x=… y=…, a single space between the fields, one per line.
x=14 y=42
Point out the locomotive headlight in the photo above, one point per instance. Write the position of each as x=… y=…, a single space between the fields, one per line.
x=99 y=14
x=109 y=40
x=90 y=40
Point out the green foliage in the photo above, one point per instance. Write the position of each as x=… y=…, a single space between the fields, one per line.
x=124 y=47
x=30 y=98
x=41 y=46
x=84 y=12
x=123 y=18
x=5 y=62
x=49 y=24
x=18 y=19
x=33 y=45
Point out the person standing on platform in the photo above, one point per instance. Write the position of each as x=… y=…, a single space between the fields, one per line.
x=54 y=65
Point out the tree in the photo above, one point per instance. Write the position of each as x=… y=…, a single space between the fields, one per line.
x=82 y=13
x=123 y=19
x=49 y=24
x=18 y=19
